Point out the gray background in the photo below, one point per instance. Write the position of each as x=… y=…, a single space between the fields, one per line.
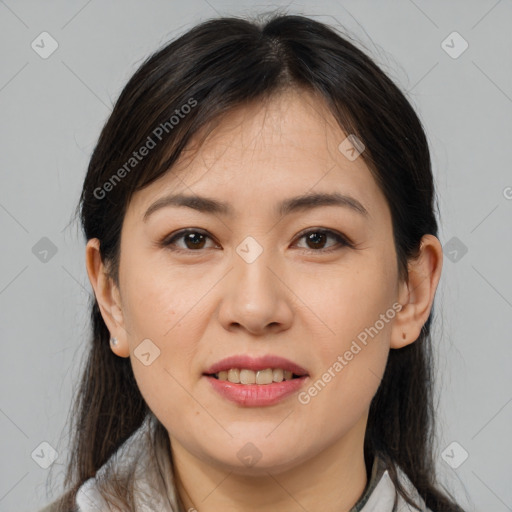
x=52 y=111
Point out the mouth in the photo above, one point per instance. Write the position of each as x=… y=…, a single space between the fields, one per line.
x=256 y=382
x=262 y=377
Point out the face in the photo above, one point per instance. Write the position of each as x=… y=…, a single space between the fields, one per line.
x=307 y=284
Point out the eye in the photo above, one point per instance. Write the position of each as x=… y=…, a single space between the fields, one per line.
x=317 y=237
x=194 y=240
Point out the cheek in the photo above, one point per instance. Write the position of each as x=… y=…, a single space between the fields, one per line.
x=166 y=316
x=340 y=392
x=159 y=303
x=356 y=308
x=356 y=305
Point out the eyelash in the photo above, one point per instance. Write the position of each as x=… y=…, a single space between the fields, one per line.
x=167 y=242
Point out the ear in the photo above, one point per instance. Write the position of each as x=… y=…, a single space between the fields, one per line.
x=417 y=295
x=107 y=296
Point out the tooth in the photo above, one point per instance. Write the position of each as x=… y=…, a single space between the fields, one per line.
x=277 y=374
x=247 y=377
x=234 y=375
x=264 y=376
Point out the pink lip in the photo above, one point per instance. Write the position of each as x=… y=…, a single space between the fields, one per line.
x=255 y=364
x=256 y=395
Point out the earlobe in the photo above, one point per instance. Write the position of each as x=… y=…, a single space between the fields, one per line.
x=107 y=296
x=417 y=294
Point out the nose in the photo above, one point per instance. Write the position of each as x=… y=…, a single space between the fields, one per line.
x=255 y=299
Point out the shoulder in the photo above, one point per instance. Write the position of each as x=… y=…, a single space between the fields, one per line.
x=382 y=494
x=402 y=505
x=88 y=499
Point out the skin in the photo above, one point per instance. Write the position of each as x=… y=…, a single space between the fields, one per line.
x=199 y=307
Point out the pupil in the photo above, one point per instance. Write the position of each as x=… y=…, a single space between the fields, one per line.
x=314 y=236
x=190 y=238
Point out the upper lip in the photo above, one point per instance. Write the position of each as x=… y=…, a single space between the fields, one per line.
x=255 y=364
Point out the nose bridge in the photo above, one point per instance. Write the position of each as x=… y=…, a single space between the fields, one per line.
x=253 y=279
x=255 y=299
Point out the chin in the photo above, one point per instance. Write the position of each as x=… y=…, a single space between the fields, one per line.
x=257 y=459
x=262 y=467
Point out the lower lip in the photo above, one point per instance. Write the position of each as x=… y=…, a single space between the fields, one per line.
x=256 y=395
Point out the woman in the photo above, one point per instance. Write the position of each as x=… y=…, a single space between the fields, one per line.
x=261 y=241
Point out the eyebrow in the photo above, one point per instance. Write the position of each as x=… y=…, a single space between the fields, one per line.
x=285 y=207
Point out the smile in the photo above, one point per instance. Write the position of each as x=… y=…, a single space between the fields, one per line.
x=245 y=376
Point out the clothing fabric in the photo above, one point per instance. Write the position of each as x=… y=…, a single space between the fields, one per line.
x=155 y=489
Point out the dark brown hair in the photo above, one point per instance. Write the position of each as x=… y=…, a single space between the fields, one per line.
x=213 y=68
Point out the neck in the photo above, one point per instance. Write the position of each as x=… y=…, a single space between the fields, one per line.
x=332 y=481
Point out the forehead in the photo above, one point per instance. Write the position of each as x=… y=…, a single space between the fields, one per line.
x=286 y=146
x=291 y=126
